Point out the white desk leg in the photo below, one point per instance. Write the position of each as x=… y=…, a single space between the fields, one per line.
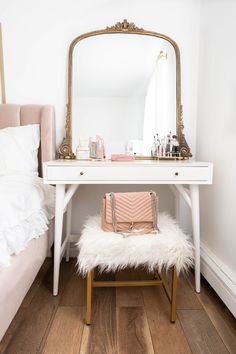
x=60 y=192
x=68 y=229
x=177 y=202
x=194 y=192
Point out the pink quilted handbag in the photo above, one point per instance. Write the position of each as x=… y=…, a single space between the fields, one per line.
x=130 y=213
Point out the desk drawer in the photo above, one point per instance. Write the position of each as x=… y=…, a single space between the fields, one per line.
x=132 y=174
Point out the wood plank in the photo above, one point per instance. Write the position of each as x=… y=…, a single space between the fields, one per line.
x=44 y=270
x=219 y=314
x=75 y=292
x=200 y=332
x=128 y=297
x=84 y=347
x=66 y=331
x=31 y=332
x=186 y=295
x=133 y=333
x=167 y=337
x=56 y=324
x=100 y=337
x=20 y=315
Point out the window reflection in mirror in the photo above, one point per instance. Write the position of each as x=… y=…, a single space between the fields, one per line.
x=124 y=89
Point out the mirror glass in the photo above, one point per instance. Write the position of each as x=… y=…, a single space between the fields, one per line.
x=124 y=90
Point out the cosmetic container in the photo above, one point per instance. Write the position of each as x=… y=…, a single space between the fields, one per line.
x=93 y=148
x=82 y=151
x=100 y=148
x=158 y=146
x=154 y=148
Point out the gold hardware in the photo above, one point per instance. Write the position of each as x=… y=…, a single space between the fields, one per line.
x=124 y=27
x=118 y=283
x=131 y=226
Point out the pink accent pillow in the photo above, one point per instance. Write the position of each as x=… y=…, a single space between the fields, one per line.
x=19 y=149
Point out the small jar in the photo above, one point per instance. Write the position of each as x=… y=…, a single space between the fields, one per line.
x=82 y=153
x=93 y=148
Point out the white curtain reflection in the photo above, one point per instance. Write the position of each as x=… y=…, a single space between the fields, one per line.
x=158 y=108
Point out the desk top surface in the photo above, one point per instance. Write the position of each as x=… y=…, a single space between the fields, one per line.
x=109 y=163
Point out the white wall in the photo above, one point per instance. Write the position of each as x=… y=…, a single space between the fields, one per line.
x=216 y=138
x=37 y=35
x=116 y=119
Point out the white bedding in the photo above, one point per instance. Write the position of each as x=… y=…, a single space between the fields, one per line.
x=26 y=206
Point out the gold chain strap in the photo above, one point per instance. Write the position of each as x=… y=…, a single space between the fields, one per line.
x=154 y=210
x=113 y=210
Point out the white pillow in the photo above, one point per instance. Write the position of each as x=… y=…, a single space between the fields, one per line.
x=19 y=149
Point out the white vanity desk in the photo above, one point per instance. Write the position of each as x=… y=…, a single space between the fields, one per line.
x=68 y=175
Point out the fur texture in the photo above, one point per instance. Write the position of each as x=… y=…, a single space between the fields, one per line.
x=110 y=251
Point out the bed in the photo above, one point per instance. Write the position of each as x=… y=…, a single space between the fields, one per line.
x=16 y=279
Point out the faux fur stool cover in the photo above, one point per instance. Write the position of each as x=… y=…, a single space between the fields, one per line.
x=110 y=251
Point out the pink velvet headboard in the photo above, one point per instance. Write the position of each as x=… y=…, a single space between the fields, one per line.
x=12 y=115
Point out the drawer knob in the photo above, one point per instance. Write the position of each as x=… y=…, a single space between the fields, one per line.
x=176 y=173
x=81 y=173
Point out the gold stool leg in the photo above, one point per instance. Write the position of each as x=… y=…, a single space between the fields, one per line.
x=89 y=298
x=173 y=295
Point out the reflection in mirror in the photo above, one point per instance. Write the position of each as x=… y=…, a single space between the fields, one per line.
x=124 y=90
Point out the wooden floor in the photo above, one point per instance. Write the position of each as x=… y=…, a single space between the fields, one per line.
x=125 y=320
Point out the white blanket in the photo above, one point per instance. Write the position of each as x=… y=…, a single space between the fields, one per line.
x=26 y=206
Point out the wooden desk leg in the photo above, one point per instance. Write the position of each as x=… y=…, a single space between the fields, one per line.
x=89 y=297
x=173 y=295
x=60 y=192
x=194 y=192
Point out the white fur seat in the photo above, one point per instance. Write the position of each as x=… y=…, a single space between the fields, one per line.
x=110 y=251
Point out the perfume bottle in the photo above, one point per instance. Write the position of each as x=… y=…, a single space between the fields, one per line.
x=158 y=144
x=100 y=148
x=171 y=146
x=93 y=148
x=168 y=141
x=163 y=148
x=175 y=148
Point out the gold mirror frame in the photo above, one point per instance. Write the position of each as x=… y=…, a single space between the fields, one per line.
x=2 y=79
x=125 y=27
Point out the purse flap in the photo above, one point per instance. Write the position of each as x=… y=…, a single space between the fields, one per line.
x=130 y=207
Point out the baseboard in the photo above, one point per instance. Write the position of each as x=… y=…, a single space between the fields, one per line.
x=220 y=277
x=73 y=251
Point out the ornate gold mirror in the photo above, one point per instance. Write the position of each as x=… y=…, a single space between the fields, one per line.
x=2 y=80
x=124 y=84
